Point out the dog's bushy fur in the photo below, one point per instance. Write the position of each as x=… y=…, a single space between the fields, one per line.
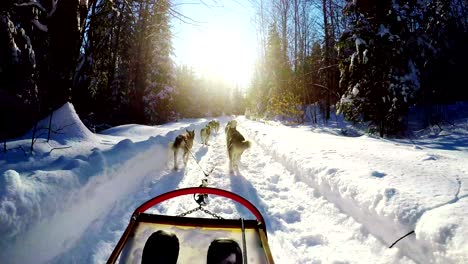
x=214 y=124
x=205 y=134
x=229 y=125
x=236 y=144
x=185 y=142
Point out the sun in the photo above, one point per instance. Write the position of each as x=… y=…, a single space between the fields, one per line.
x=225 y=55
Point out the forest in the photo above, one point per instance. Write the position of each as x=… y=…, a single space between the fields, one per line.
x=370 y=60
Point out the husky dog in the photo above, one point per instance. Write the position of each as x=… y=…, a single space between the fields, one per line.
x=236 y=144
x=205 y=134
x=214 y=124
x=185 y=142
x=229 y=125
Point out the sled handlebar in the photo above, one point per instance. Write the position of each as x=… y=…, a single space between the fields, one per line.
x=193 y=190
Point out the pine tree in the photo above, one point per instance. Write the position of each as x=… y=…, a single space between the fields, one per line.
x=277 y=71
x=159 y=89
x=18 y=75
x=126 y=68
x=443 y=27
x=378 y=67
x=185 y=97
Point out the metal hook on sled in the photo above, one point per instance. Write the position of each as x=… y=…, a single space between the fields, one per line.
x=200 y=199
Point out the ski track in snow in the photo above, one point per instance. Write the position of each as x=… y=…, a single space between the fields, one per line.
x=127 y=181
x=319 y=237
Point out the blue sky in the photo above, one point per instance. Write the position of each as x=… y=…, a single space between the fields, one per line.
x=222 y=44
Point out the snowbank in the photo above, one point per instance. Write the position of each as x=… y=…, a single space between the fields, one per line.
x=66 y=125
x=66 y=191
x=391 y=188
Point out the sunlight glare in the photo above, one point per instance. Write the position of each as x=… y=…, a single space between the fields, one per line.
x=223 y=54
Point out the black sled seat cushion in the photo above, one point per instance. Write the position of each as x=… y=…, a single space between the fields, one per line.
x=195 y=236
x=224 y=251
x=161 y=247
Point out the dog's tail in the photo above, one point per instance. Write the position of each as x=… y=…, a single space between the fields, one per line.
x=245 y=144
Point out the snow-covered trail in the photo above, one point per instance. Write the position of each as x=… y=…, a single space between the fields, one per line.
x=322 y=233
x=325 y=198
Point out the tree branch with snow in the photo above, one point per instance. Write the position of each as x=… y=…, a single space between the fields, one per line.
x=33 y=3
x=54 y=7
x=39 y=25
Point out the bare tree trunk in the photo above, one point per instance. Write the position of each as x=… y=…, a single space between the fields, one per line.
x=50 y=125
x=64 y=33
x=296 y=33
x=284 y=10
x=138 y=94
x=33 y=138
x=332 y=22
x=327 y=58
x=113 y=55
x=263 y=26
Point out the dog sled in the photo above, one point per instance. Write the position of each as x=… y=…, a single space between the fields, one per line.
x=151 y=238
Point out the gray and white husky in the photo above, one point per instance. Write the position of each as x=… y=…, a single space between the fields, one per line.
x=214 y=124
x=205 y=134
x=185 y=142
x=236 y=144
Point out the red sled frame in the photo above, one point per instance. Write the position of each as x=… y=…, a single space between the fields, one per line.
x=139 y=216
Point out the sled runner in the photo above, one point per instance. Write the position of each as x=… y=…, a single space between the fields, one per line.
x=181 y=239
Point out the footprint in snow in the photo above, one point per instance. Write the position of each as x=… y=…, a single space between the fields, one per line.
x=430 y=157
x=378 y=174
x=310 y=240
x=389 y=193
x=290 y=216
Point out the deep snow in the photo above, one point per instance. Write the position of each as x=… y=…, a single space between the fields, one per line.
x=326 y=198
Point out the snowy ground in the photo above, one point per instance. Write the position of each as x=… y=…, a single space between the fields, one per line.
x=325 y=198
